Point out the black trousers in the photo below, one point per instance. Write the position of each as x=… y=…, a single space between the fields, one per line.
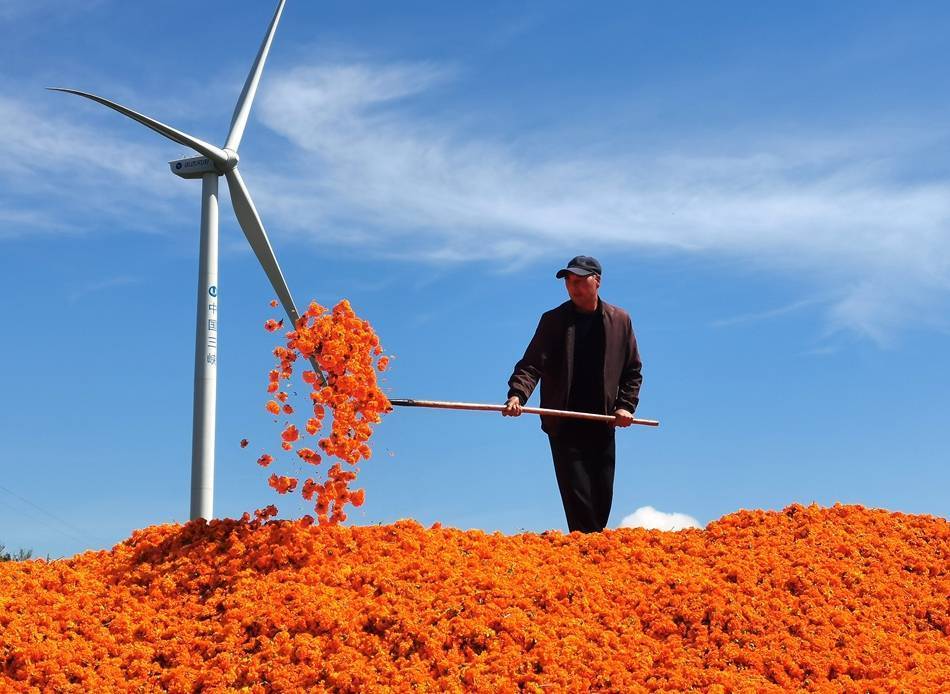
x=584 y=466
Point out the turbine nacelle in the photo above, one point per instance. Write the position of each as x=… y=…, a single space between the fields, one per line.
x=192 y=167
x=196 y=167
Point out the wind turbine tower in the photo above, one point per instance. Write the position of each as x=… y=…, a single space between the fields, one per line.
x=213 y=163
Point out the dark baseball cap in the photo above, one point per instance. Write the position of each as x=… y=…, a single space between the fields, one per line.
x=582 y=265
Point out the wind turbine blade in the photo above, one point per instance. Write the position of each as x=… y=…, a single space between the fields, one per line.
x=250 y=222
x=215 y=154
x=243 y=108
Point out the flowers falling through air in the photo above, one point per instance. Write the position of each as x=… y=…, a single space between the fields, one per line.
x=349 y=355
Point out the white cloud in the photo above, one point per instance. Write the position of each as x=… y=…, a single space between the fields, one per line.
x=370 y=166
x=60 y=170
x=39 y=138
x=651 y=519
x=832 y=211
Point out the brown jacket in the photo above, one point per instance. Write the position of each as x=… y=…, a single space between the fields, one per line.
x=550 y=359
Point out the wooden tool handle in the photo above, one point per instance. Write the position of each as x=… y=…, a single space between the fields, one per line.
x=530 y=410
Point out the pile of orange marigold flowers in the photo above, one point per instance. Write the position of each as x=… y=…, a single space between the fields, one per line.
x=344 y=348
x=825 y=599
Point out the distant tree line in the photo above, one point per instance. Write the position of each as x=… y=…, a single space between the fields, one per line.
x=21 y=554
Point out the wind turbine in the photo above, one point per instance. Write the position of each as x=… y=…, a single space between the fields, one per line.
x=213 y=163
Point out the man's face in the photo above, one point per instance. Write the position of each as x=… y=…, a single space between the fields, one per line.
x=582 y=290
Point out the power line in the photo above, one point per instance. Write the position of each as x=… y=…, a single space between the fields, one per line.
x=74 y=532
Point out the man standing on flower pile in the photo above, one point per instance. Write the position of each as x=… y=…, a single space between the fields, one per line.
x=585 y=355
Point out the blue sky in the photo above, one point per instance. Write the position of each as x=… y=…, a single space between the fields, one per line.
x=767 y=187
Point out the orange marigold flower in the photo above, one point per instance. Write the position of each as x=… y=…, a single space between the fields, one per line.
x=263 y=514
x=310 y=488
x=281 y=484
x=273 y=303
x=290 y=433
x=265 y=460
x=309 y=456
x=244 y=443
x=272 y=407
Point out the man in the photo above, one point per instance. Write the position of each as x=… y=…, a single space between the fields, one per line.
x=585 y=355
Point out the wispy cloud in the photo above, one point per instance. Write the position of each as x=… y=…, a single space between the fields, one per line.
x=651 y=519
x=13 y=221
x=768 y=314
x=61 y=169
x=367 y=164
x=836 y=211
x=101 y=285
